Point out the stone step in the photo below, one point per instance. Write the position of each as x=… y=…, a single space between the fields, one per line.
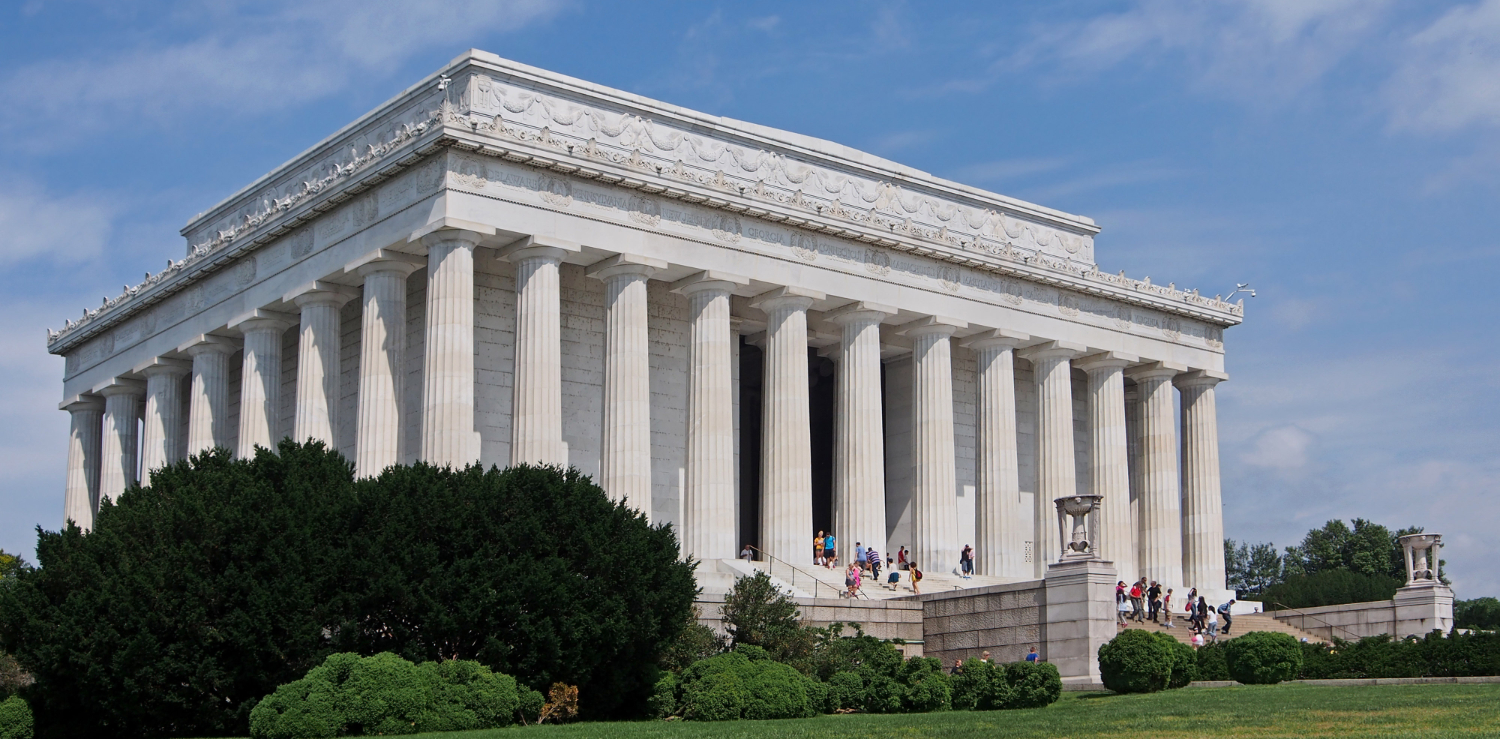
x=1243 y=624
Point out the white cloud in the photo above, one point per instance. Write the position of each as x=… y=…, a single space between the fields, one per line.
x=35 y=224
x=246 y=60
x=1448 y=77
x=1284 y=448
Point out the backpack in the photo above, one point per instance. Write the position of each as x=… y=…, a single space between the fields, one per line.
x=1224 y=608
x=916 y=575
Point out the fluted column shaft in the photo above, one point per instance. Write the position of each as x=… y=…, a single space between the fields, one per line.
x=859 y=444
x=1057 y=475
x=260 y=385
x=382 y=366
x=708 y=510
x=1110 y=462
x=161 y=430
x=208 y=400
x=81 y=494
x=536 y=421
x=625 y=454
x=122 y=412
x=934 y=504
x=1160 y=504
x=448 y=435
x=786 y=444
x=998 y=517
x=318 y=366
x=1137 y=480
x=1202 y=509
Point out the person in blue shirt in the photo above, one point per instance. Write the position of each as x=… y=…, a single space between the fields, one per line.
x=1032 y=656
x=829 y=552
x=859 y=555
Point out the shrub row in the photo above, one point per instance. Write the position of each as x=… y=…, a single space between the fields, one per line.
x=1435 y=655
x=1138 y=661
x=747 y=684
x=384 y=694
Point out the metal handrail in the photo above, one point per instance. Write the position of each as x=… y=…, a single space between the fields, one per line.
x=818 y=585
x=1304 y=614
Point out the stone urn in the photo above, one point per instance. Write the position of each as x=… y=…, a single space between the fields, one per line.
x=1078 y=525
x=1421 y=554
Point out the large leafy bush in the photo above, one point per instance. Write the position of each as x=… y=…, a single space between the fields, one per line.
x=1184 y=662
x=1032 y=684
x=15 y=719
x=1211 y=664
x=194 y=597
x=745 y=683
x=1263 y=657
x=384 y=694
x=1136 y=661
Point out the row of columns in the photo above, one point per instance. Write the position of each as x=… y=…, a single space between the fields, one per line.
x=102 y=464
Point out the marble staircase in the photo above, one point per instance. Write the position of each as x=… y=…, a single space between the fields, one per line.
x=1243 y=624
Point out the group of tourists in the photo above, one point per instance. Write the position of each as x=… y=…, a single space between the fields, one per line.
x=1144 y=601
x=867 y=561
x=958 y=663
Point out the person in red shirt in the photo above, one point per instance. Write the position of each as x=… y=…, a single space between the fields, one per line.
x=1137 y=614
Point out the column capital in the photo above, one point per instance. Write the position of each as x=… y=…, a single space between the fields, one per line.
x=1155 y=371
x=859 y=310
x=795 y=297
x=120 y=386
x=1053 y=350
x=385 y=260
x=320 y=291
x=996 y=338
x=1105 y=361
x=209 y=344
x=625 y=264
x=82 y=402
x=534 y=247
x=932 y=325
x=447 y=229
x=262 y=319
x=163 y=366
x=1199 y=378
x=709 y=279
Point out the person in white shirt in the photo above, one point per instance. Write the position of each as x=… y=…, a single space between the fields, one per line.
x=1213 y=624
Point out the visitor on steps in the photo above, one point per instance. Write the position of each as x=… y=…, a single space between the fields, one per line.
x=851 y=580
x=1192 y=614
x=830 y=555
x=916 y=576
x=1213 y=624
x=1202 y=613
x=894 y=579
x=861 y=555
x=873 y=555
x=1122 y=606
x=1224 y=614
x=901 y=557
x=1137 y=612
x=1153 y=596
x=1166 y=608
x=1197 y=639
x=747 y=553
x=966 y=562
x=818 y=549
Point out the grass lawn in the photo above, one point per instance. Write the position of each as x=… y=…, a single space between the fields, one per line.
x=1294 y=711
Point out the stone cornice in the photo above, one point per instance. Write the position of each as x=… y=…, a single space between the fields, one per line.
x=550 y=121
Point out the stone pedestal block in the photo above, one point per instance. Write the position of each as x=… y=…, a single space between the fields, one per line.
x=1079 y=616
x=1422 y=608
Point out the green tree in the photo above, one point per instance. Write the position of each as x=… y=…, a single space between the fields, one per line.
x=190 y=599
x=1249 y=568
x=10 y=564
x=1479 y=613
x=758 y=613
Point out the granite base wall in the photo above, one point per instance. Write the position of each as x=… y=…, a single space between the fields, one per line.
x=1006 y=620
x=883 y=619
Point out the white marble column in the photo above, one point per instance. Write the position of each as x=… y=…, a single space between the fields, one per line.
x=81 y=495
x=708 y=507
x=859 y=442
x=934 y=503
x=382 y=360
x=1202 y=510
x=122 y=413
x=1110 y=463
x=162 y=442
x=998 y=516
x=260 y=381
x=448 y=434
x=1160 y=504
x=1057 y=474
x=625 y=451
x=786 y=444
x=208 y=398
x=536 y=415
x=1137 y=480
x=319 y=341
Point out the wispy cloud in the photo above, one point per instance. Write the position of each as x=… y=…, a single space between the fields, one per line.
x=1448 y=77
x=39 y=225
x=245 y=60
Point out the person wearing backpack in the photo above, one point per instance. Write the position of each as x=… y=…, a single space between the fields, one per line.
x=916 y=576
x=1224 y=614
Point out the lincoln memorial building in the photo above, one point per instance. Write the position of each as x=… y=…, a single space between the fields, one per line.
x=749 y=334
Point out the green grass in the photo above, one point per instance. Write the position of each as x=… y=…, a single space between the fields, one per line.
x=1293 y=711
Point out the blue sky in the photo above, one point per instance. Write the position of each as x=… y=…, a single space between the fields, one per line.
x=1338 y=154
